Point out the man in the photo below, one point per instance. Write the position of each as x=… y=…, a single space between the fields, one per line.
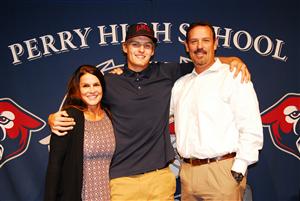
x=139 y=101
x=217 y=123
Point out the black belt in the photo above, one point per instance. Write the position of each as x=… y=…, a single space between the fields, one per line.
x=195 y=161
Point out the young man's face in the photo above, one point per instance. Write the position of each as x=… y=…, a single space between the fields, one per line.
x=201 y=47
x=139 y=50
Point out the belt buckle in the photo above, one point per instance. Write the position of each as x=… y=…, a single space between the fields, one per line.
x=193 y=161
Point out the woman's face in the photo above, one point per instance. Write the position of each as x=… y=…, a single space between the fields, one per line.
x=90 y=90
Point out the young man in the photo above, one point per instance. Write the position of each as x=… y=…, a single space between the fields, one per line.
x=139 y=101
x=217 y=122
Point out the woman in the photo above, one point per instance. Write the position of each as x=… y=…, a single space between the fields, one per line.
x=78 y=167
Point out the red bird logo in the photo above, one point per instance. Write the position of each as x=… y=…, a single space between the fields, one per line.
x=16 y=125
x=283 y=122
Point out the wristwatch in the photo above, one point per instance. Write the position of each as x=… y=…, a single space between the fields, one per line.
x=237 y=176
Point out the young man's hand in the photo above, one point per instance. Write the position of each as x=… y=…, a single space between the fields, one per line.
x=60 y=123
x=238 y=65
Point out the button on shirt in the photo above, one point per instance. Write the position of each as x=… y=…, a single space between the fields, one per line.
x=140 y=103
x=215 y=114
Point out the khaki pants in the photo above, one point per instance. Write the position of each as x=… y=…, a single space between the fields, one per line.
x=211 y=181
x=156 y=186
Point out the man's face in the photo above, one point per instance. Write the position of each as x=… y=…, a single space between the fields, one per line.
x=139 y=50
x=201 y=47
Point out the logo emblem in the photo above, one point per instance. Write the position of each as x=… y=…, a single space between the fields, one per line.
x=282 y=120
x=16 y=125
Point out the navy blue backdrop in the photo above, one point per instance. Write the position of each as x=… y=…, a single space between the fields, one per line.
x=42 y=42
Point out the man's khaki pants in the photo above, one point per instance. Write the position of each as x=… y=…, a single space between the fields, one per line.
x=212 y=181
x=156 y=185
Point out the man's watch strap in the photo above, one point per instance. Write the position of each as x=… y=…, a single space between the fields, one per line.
x=237 y=176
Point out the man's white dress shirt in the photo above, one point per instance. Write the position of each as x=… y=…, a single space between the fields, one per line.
x=215 y=114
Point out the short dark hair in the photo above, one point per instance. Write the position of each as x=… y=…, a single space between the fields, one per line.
x=73 y=97
x=196 y=24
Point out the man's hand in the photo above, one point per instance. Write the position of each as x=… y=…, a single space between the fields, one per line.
x=238 y=65
x=237 y=176
x=60 y=123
